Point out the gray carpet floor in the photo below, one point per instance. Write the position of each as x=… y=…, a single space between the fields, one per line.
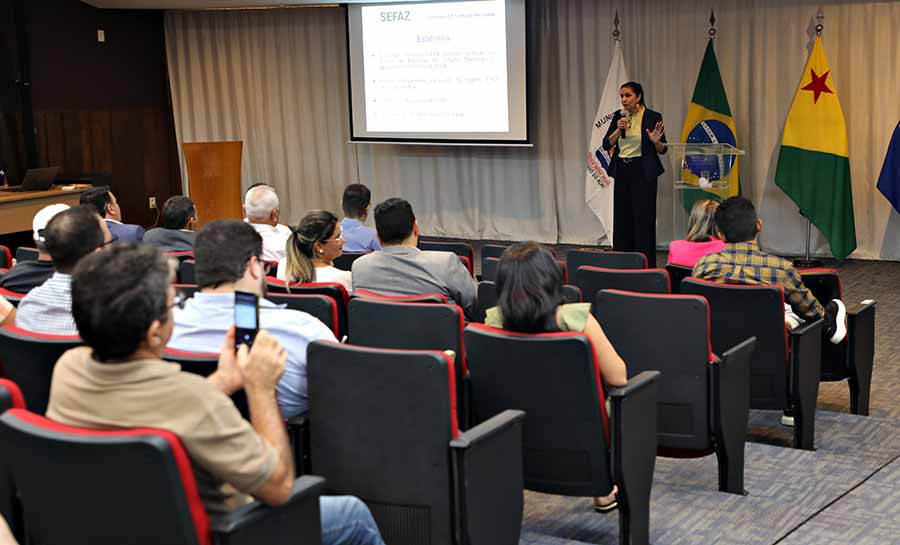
x=846 y=491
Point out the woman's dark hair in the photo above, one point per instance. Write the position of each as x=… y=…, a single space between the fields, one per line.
x=177 y=211
x=636 y=89
x=530 y=288
x=316 y=226
x=116 y=294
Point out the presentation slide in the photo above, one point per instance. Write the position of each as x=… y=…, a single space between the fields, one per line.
x=439 y=71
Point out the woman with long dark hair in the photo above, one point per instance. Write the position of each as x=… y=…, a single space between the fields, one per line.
x=311 y=250
x=530 y=300
x=635 y=139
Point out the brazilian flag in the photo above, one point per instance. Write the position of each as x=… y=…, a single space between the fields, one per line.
x=709 y=121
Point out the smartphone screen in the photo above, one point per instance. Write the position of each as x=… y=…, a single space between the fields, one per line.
x=246 y=318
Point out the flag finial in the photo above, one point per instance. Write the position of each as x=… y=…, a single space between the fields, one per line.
x=820 y=16
x=712 y=25
x=616 y=32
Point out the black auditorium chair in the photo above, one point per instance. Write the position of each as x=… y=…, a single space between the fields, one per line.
x=380 y=323
x=181 y=255
x=187 y=290
x=345 y=261
x=593 y=279
x=24 y=253
x=703 y=402
x=88 y=487
x=417 y=298
x=384 y=429
x=11 y=396
x=12 y=296
x=491 y=250
x=852 y=359
x=328 y=289
x=571 y=446
x=321 y=306
x=490 y=265
x=5 y=257
x=462 y=249
x=784 y=369
x=677 y=273
x=28 y=359
x=205 y=364
x=10 y=509
x=186 y=271
x=603 y=258
x=487 y=297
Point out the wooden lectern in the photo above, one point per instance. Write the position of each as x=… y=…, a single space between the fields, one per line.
x=214 y=179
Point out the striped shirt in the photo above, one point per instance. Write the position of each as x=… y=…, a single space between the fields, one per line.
x=745 y=263
x=48 y=307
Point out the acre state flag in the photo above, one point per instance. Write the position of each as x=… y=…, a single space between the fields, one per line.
x=813 y=165
x=709 y=121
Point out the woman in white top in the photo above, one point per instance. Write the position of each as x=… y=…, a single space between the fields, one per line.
x=311 y=250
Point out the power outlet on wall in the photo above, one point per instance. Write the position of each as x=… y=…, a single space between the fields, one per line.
x=152 y=203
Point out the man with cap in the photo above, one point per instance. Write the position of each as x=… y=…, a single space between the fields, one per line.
x=25 y=275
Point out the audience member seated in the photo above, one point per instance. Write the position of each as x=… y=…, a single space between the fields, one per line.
x=530 y=300
x=262 y=212
x=358 y=237
x=179 y=215
x=69 y=236
x=227 y=254
x=311 y=250
x=401 y=268
x=122 y=300
x=26 y=275
x=743 y=262
x=702 y=238
x=7 y=312
x=105 y=203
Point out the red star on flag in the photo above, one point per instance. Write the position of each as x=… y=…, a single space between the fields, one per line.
x=817 y=85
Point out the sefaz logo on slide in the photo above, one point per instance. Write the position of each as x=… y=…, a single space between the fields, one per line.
x=387 y=16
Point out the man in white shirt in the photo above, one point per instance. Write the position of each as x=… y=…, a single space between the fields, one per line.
x=262 y=212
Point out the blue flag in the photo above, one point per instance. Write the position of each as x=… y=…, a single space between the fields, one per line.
x=889 y=181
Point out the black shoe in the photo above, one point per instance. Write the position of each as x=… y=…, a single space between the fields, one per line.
x=835 y=321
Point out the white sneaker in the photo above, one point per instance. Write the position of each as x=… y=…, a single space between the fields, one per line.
x=787 y=420
x=837 y=309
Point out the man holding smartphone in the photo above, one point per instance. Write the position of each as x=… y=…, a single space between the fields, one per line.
x=229 y=270
x=122 y=302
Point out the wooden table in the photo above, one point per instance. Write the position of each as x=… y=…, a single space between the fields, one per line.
x=18 y=209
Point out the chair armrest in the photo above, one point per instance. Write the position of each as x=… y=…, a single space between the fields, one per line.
x=861 y=357
x=256 y=522
x=805 y=343
x=298 y=436
x=730 y=412
x=633 y=428
x=488 y=480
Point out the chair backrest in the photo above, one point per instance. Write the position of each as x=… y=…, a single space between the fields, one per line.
x=321 y=306
x=741 y=311
x=603 y=258
x=493 y=250
x=417 y=298
x=555 y=379
x=345 y=261
x=487 y=297
x=24 y=253
x=11 y=396
x=82 y=486
x=489 y=266
x=28 y=359
x=186 y=273
x=381 y=423
x=670 y=334
x=462 y=249
x=5 y=257
x=12 y=296
x=181 y=255
x=677 y=273
x=205 y=364
x=593 y=279
x=825 y=285
x=328 y=289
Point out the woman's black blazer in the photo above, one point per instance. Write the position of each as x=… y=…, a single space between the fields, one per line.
x=650 y=161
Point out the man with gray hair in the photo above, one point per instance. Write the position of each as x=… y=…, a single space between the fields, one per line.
x=262 y=212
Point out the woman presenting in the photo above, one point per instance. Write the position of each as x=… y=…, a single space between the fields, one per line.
x=636 y=138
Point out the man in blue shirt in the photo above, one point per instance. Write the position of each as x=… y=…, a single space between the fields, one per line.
x=358 y=238
x=228 y=253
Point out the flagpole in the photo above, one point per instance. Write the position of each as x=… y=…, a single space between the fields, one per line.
x=808 y=262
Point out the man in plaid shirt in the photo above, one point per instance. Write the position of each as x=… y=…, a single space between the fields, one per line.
x=742 y=262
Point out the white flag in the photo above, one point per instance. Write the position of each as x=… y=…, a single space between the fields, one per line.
x=598 y=185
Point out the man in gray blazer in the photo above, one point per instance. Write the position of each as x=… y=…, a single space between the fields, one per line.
x=401 y=268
